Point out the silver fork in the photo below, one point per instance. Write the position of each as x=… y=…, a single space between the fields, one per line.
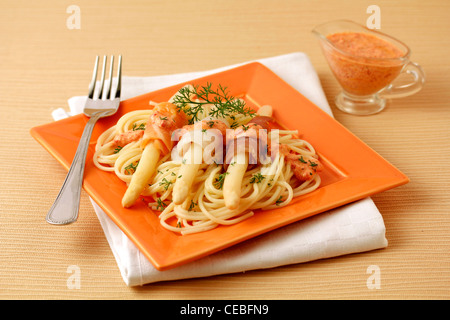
x=98 y=105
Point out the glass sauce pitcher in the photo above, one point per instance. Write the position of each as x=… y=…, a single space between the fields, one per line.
x=366 y=63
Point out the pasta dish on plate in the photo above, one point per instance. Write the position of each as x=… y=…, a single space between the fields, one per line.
x=205 y=159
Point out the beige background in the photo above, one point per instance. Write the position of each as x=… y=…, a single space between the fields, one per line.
x=43 y=63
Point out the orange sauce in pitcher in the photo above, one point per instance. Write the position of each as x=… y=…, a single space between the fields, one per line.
x=368 y=65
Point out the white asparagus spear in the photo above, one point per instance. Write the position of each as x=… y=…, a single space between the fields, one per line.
x=265 y=110
x=233 y=180
x=186 y=174
x=143 y=174
x=192 y=160
x=236 y=171
x=155 y=141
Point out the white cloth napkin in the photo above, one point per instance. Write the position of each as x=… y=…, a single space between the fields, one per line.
x=356 y=227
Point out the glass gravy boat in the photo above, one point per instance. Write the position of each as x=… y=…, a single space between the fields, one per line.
x=366 y=78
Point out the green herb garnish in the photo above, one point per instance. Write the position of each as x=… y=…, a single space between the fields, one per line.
x=224 y=104
x=257 y=178
x=192 y=205
x=165 y=183
x=234 y=125
x=312 y=164
x=131 y=168
x=140 y=127
x=301 y=159
x=279 y=201
x=220 y=180
x=161 y=205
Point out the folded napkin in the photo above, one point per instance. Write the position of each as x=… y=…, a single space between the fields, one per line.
x=356 y=227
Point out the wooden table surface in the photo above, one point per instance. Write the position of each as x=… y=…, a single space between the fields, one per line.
x=44 y=62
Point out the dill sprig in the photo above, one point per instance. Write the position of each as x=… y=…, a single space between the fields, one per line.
x=192 y=205
x=160 y=205
x=165 y=183
x=279 y=201
x=191 y=100
x=140 y=127
x=257 y=178
x=218 y=182
x=131 y=168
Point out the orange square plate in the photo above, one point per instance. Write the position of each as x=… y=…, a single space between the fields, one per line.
x=352 y=170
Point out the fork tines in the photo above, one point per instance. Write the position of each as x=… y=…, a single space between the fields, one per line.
x=101 y=94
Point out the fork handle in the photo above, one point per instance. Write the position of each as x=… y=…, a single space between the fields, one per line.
x=66 y=206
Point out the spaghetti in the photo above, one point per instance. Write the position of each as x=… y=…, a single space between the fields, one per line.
x=291 y=170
